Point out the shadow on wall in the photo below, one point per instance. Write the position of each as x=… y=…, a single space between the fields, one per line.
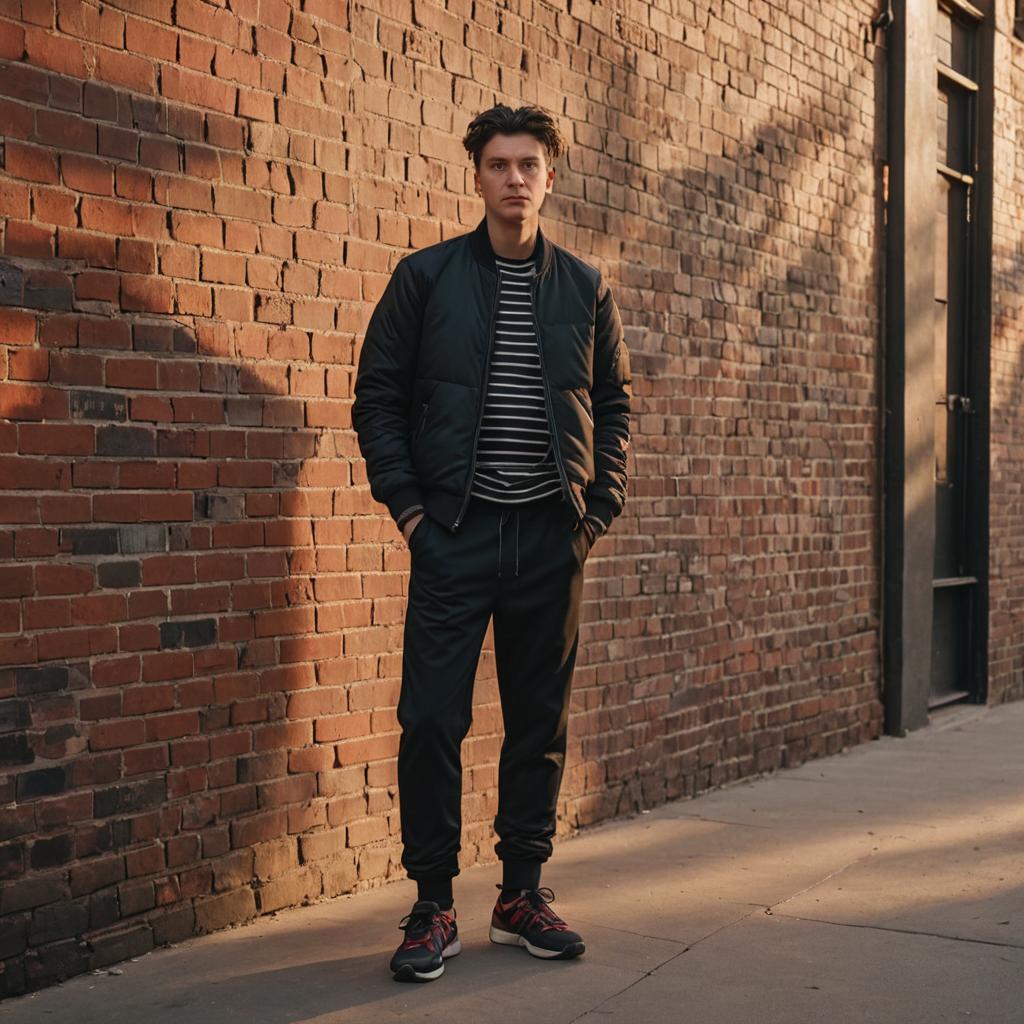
x=748 y=244
x=188 y=684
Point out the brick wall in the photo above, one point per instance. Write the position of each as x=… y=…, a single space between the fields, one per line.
x=1006 y=460
x=201 y=607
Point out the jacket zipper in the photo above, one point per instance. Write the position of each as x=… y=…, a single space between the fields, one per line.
x=547 y=400
x=483 y=402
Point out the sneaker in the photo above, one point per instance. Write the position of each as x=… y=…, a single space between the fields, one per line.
x=431 y=936
x=529 y=921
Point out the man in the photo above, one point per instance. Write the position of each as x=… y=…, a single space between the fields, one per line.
x=492 y=408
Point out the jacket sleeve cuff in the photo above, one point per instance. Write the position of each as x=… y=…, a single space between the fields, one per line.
x=601 y=511
x=404 y=503
x=411 y=512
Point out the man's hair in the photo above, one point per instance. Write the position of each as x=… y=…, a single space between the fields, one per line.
x=503 y=120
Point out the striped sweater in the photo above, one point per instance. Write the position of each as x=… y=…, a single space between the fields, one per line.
x=514 y=459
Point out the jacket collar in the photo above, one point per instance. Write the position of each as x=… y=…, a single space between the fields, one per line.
x=480 y=242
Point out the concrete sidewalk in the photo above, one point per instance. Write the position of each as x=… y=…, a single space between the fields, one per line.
x=884 y=884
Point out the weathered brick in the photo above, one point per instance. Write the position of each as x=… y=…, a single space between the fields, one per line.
x=198 y=633
x=125 y=440
x=103 y=909
x=130 y=797
x=33 y=891
x=55 y=962
x=51 y=851
x=98 y=406
x=320 y=846
x=215 y=912
x=173 y=926
x=46 y=679
x=42 y=782
x=90 y=875
x=275 y=858
x=13 y=935
x=58 y=921
x=340 y=876
x=289 y=890
x=119 y=943
x=12 y=860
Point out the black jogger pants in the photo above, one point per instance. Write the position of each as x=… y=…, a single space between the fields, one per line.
x=523 y=564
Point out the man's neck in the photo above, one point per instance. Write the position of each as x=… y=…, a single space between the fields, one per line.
x=513 y=241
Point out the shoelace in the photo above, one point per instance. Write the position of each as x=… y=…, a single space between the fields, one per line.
x=542 y=914
x=420 y=925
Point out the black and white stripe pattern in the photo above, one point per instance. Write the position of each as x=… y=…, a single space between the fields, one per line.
x=515 y=461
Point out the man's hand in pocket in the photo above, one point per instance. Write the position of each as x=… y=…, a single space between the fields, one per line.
x=410 y=526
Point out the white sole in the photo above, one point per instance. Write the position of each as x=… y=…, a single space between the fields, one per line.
x=504 y=938
x=453 y=949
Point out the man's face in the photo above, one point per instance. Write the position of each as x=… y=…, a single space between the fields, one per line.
x=514 y=177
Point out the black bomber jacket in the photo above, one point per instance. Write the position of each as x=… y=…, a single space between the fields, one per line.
x=422 y=378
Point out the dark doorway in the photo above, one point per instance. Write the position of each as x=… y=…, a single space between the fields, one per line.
x=960 y=345
x=938 y=313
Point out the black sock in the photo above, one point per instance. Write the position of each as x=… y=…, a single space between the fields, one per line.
x=508 y=895
x=517 y=875
x=437 y=890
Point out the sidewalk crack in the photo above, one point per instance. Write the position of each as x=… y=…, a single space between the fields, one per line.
x=904 y=931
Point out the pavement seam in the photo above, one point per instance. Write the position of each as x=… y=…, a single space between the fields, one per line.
x=903 y=931
x=770 y=909
x=657 y=967
x=717 y=821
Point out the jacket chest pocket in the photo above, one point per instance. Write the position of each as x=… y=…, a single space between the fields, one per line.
x=421 y=421
x=569 y=354
x=423 y=397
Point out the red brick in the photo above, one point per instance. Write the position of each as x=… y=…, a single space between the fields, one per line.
x=147 y=294
x=65 y=131
x=133 y=73
x=98 y=285
x=125 y=732
x=52 y=206
x=197 y=89
x=31 y=364
x=17 y=327
x=56 y=439
x=259 y=106
x=86 y=174
x=107 y=216
x=23 y=239
x=133 y=183
x=96 y=250
x=153 y=40
x=31 y=162
x=223 y=268
x=131 y=373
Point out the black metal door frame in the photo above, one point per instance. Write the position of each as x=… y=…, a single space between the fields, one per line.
x=908 y=419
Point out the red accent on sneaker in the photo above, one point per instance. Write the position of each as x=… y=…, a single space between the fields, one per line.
x=437 y=933
x=532 y=910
